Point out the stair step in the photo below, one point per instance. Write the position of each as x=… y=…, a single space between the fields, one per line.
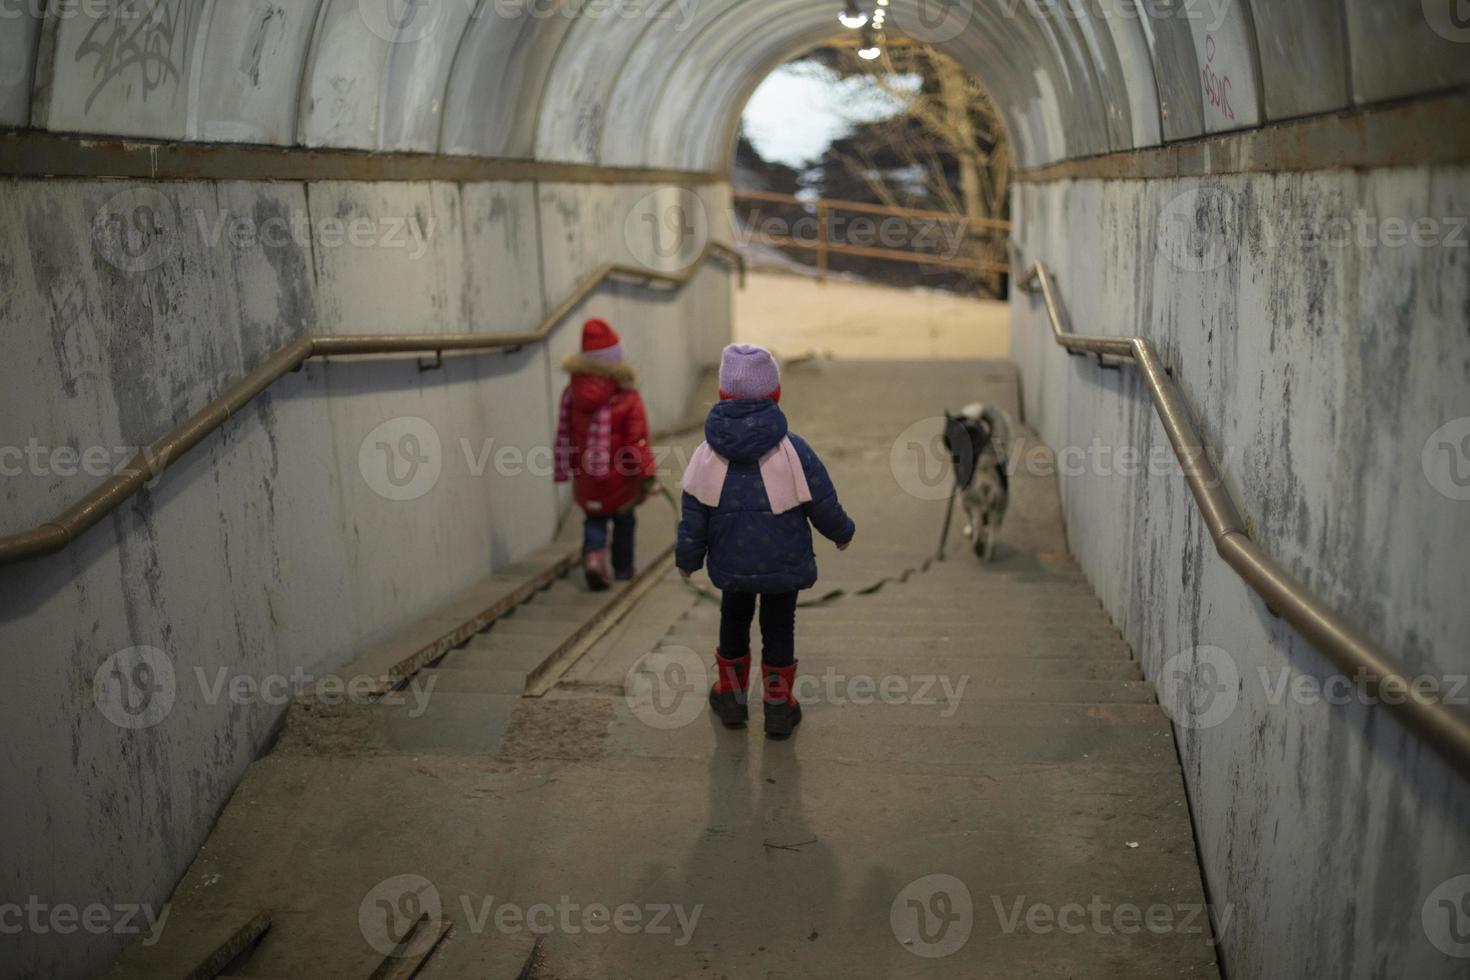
x=467 y=680
x=977 y=735
x=969 y=690
x=492 y=655
x=904 y=626
x=526 y=626
x=930 y=647
x=989 y=670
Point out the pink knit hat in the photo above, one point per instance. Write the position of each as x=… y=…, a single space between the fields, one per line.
x=747 y=371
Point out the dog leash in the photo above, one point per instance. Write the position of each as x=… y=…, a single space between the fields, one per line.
x=833 y=595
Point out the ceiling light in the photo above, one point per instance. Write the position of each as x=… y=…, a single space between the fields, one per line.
x=852 y=16
x=870 y=49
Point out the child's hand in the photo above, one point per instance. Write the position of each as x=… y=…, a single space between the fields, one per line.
x=843 y=545
x=684 y=574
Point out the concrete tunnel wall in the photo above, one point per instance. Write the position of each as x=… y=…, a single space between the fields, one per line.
x=271 y=548
x=1320 y=373
x=104 y=356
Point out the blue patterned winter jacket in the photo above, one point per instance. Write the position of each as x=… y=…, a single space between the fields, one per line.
x=749 y=548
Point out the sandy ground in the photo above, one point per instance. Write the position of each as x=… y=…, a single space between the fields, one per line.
x=793 y=315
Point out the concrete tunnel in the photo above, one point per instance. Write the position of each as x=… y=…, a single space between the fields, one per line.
x=1274 y=196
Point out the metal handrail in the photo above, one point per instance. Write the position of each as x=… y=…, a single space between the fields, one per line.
x=1377 y=672
x=55 y=534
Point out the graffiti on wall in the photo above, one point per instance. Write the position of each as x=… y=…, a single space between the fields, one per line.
x=138 y=43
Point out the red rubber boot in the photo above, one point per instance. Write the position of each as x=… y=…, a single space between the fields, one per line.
x=728 y=697
x=783 y=714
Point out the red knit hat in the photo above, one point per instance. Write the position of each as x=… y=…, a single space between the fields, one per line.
x=601 y=341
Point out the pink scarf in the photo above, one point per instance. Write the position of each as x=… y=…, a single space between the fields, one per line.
x=781 y=472
x=598 y=457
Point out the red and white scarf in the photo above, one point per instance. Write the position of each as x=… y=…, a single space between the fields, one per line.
x=597 y=457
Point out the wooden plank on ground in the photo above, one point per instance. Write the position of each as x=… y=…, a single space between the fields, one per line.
x=191 y=946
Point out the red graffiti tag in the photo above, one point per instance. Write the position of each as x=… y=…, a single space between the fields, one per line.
x=1217 y=87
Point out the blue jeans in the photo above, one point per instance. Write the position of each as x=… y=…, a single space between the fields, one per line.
x=624 y=526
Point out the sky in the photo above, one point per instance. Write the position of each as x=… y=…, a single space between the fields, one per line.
x=802 y=107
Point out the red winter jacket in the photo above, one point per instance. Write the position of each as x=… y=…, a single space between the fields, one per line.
x=617 y=484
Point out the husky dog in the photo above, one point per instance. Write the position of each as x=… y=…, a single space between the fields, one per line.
x=979 y=439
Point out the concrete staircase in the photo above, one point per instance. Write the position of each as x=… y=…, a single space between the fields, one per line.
x=983 y=785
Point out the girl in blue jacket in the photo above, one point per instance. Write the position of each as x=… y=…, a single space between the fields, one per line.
x=752 y=493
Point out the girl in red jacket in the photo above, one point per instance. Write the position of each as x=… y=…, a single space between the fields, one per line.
x=602 y=447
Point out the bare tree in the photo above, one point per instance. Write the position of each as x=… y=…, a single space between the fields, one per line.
x=958 y=129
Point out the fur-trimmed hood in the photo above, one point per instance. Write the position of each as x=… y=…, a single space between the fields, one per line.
x=620 y=372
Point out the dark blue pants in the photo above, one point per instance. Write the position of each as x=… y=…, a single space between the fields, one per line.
x=778 y=626
x=624 y=528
